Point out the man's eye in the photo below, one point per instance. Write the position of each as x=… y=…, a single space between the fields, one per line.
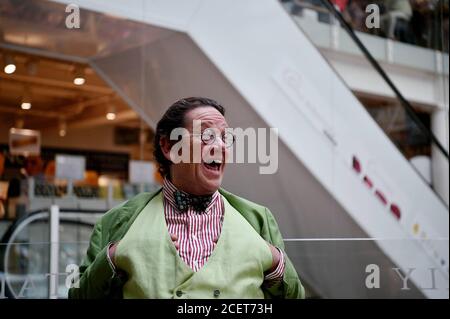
x=207 y=136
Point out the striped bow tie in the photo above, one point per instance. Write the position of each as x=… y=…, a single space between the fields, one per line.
x=183 y=201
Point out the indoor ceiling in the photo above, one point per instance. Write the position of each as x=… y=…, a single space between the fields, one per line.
x=40 y=25
x=48 y=84
x=48 y=55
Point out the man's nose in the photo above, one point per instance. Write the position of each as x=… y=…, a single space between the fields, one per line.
x=218 y=146
x=220 y=143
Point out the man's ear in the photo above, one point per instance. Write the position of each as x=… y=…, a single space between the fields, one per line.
x=165 y=145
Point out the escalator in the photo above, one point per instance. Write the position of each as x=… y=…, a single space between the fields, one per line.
x=344 y=195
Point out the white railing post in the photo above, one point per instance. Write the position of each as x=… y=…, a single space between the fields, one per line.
x=54 y=253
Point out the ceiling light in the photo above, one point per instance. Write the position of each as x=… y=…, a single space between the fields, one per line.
x=25 y=105
x=26 y=100
x=79 y=77
x=62 y=128
x=111 y=114
x=10 y=65
x=79 y=81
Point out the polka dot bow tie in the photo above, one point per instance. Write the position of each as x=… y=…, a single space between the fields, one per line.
x=183 y=201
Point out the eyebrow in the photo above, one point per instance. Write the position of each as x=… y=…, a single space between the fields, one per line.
x=203 y=126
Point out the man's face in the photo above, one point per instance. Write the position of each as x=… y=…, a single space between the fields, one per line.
x=202 y=178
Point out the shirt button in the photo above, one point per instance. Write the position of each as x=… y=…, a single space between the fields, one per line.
x=179 y=293
x=216 y=293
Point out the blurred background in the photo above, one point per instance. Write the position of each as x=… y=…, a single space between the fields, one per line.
x=358 y=91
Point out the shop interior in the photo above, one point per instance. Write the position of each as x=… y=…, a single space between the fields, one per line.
x=75 y=113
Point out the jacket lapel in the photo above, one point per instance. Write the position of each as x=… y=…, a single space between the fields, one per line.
x=130 y=210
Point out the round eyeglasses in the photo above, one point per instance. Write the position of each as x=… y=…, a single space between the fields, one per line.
x=208 y=137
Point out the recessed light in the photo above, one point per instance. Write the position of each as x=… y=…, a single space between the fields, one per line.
x=10 y=65
x=111 y=116
x=79 y=77
x=25 y=105
x=10 y=68
x=79 y=81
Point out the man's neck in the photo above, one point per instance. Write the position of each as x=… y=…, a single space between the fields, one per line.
x=180 y=187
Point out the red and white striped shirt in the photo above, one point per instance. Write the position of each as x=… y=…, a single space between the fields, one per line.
x=198 y=233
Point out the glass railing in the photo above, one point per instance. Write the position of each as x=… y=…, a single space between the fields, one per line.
x=407 y=267
x=357 y=268
x=407 y=125
x=340 y=268
x=25 y=254
x=40 y=193
x=51 y=188
x=420 y=23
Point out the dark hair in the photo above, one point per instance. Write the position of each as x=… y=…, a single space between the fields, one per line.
x=173 y=118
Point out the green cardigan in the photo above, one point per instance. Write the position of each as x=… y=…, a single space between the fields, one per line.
x=99 y=280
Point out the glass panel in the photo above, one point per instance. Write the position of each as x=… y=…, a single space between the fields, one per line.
x=41 y=25
x=27 y=268
x=25 y=254
x=422 y=23
x=342 y=268
x=357 y=268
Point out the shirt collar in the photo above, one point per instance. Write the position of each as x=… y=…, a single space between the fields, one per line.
x=169 y=188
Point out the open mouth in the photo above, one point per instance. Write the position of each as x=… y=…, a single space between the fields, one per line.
x=214 y=165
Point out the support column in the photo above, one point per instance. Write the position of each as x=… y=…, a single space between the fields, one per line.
x=440 y=128
x=54 y=253
x=439 y=163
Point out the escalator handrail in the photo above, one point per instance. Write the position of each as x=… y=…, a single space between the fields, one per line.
x=404 y=102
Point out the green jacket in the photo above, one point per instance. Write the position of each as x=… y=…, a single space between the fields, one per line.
x=99 y=280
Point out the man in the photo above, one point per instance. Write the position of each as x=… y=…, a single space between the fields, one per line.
x=395 y=21
x=191 y=239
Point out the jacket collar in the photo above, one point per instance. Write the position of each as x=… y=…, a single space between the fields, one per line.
x=131 y=209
